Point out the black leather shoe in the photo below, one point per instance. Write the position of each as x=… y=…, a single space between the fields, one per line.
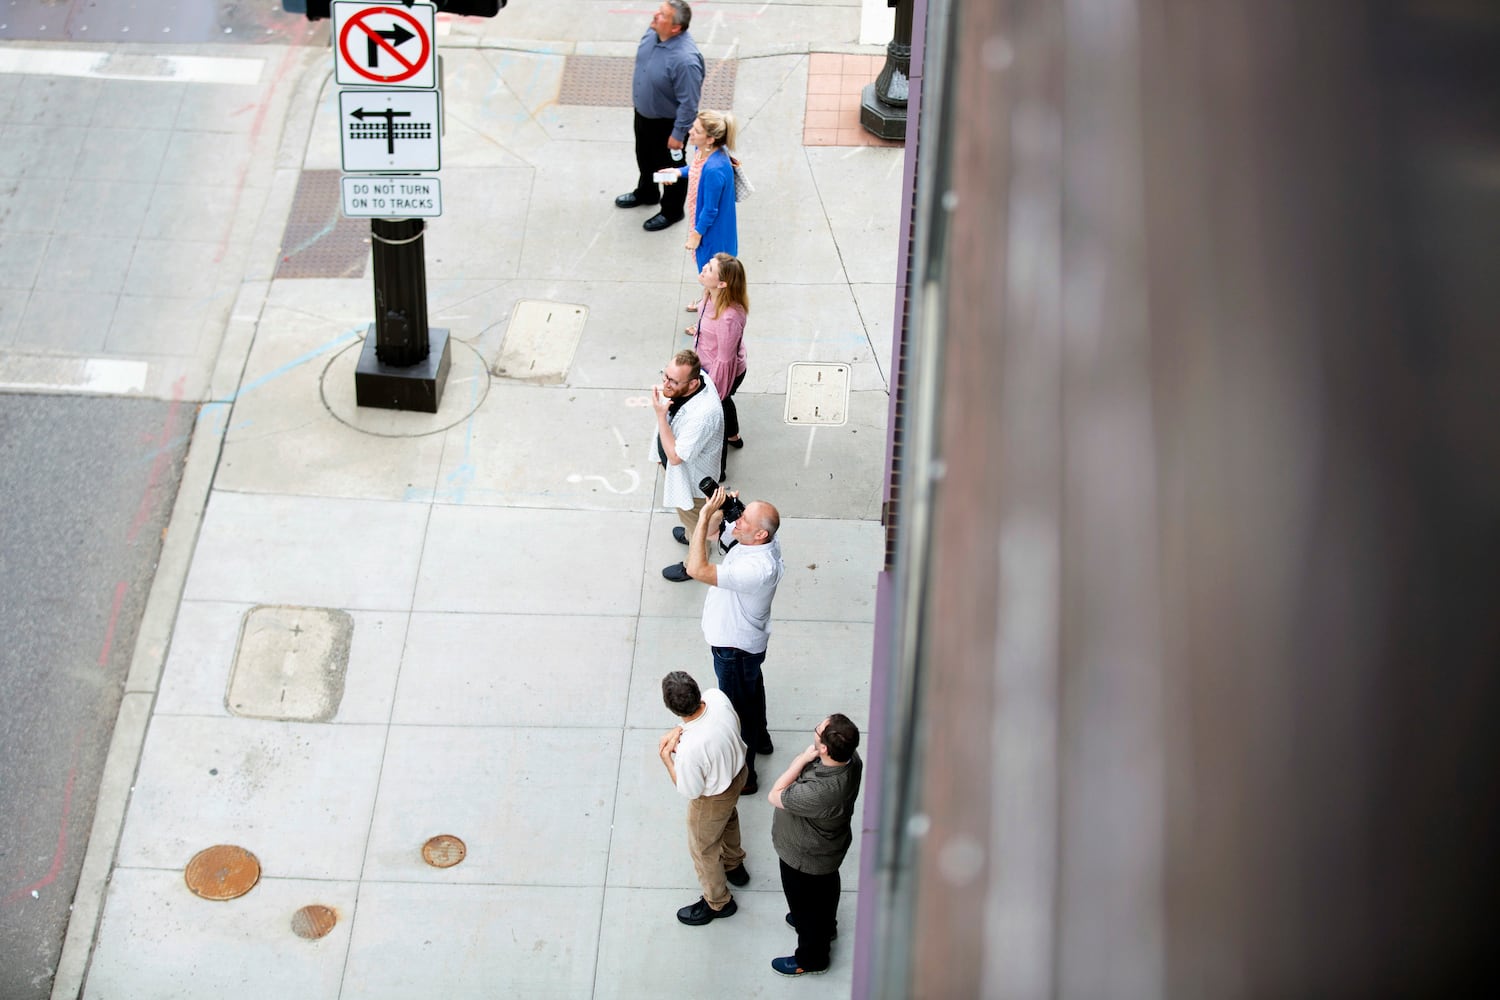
x=751 y=787
x=766 y=749
x=737 y=875
x=677 y=573
x=631 y=200
x=680 y=533
x=658 y=222
x=701 y=913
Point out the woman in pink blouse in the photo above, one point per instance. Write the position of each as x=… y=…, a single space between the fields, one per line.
x=719 y=337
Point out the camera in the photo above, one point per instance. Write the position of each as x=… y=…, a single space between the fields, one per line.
x=733 y=506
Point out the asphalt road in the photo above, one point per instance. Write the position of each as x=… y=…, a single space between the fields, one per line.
x=87 y=485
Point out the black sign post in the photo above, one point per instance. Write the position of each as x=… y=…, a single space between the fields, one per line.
x=404 y=363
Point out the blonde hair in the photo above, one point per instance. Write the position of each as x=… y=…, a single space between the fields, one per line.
x=720 y=127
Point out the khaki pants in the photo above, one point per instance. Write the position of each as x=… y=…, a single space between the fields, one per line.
x=689 y=518
x=713 y=823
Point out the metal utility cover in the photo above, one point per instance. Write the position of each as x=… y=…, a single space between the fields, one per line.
x=385 y=131
x=314 y=921
x=290 y=663
x=444 y=851
x=540 y=341
x=817 y=393
x=224 y=871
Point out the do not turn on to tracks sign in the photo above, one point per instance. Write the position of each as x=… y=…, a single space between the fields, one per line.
x=386 y=45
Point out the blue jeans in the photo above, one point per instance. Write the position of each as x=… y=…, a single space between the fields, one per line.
x=741 y=681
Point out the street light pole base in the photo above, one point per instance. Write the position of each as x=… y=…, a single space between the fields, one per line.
x=885 y=120
x=418 y=387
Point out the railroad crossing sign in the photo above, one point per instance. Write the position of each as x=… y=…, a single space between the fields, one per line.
x=385 y=131
x=385 y=44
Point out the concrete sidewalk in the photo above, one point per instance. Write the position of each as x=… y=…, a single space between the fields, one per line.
x=500 y=562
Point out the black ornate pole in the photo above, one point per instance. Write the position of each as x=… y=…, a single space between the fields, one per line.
x=404 y=363
x=882 y=108
x=400 y=291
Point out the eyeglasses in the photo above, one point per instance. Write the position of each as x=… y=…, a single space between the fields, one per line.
x=674 y=382
x=817 y=736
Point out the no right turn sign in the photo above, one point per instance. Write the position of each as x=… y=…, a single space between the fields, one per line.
x=384 y=44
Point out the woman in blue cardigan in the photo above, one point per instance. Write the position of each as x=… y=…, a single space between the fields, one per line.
x=710 y=195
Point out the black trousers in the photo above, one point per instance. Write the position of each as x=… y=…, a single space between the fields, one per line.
x=651 y=155
x=814 y=904
x=731 y=424
x=731 y=412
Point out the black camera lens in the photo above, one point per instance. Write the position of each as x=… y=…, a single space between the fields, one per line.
x=733 y=506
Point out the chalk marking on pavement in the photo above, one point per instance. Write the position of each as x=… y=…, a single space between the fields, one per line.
x=461 y=479
x=112 y=66
x=635 y=481
x=114 y=617
x=256 y=126
x=807 y=458
x=220 y=407
x=311 y=355
x=213 y=409
x=718 y=22
x=159 y=463
x=624 y=448
x=586 y=249
x=62 y=835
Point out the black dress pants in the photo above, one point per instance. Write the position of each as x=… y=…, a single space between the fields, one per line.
x=651 y=155
x=731 y=424
x=814 y=904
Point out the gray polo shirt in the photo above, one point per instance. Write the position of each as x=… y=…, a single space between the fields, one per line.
x=668 y=80
x=812 y=830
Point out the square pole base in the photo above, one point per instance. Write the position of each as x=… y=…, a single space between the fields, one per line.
x=418 y=388
x=880 y=118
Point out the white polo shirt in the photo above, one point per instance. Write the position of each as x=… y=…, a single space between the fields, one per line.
x=737 y=612
x=698 y=429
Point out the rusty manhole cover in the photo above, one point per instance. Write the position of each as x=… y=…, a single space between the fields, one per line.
x=444 y=851
x=223 y=871
x=312 y=922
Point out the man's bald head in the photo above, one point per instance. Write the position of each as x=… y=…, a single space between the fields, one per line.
x=758 y=525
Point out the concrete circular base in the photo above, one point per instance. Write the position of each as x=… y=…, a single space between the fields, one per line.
x=467 y=384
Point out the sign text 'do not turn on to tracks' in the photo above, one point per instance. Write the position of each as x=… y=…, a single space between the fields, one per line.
x=384 y=45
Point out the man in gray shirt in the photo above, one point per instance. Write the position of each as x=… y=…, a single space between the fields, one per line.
x=811 y=831
x=665 y=90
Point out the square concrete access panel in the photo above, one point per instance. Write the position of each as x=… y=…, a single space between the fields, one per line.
x=540 y=341
x=290 y=663
x=817 y=393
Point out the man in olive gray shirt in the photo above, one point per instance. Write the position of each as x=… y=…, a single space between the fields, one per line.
x=812 y=831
